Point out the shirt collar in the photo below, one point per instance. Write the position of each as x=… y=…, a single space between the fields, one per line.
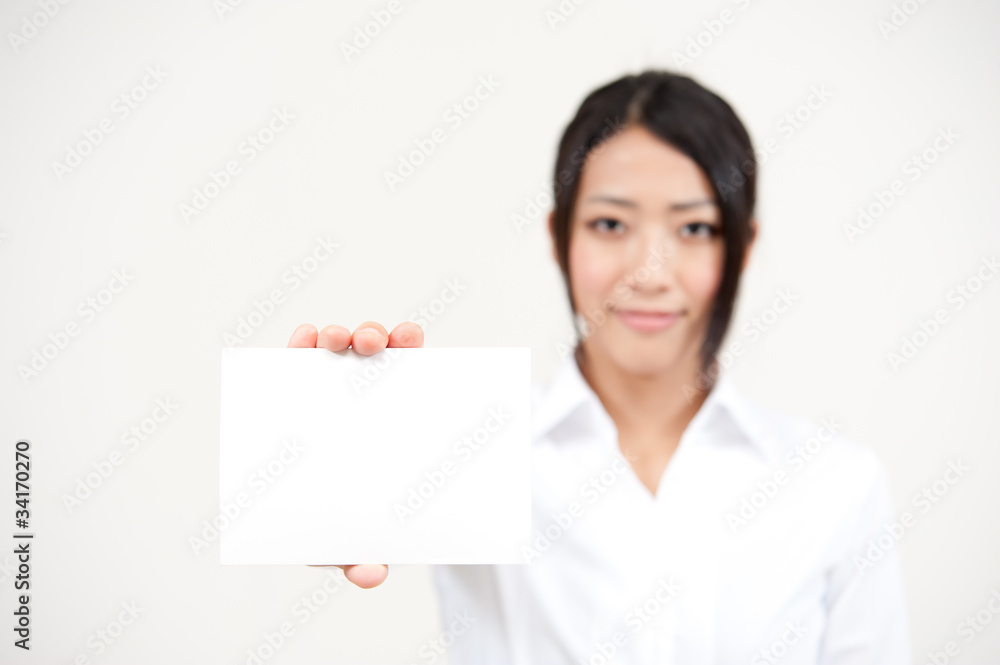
x=569 y=391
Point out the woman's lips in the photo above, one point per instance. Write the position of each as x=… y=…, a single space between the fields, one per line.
x=648 y=321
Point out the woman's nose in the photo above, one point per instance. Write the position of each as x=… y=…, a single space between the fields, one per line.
x=651 y=266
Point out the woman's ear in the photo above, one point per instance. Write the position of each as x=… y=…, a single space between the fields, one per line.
x=753 y=239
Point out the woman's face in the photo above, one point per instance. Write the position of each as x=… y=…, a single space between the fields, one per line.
x=645 y=255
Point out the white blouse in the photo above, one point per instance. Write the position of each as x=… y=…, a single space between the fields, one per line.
x=767 y=542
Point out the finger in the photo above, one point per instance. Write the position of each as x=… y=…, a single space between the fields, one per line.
x=407 y=335
x=369 y=338
x=365 y=575
x=304 y=337
x=334 y=338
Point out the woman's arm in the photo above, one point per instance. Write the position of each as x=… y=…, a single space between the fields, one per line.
x=867 y=620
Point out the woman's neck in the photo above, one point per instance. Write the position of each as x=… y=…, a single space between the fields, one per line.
x=646 y=405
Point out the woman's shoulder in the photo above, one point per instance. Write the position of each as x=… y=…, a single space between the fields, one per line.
x=821 y=449
x=834 y=485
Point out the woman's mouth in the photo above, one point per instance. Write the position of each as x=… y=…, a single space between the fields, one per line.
x=647 y=321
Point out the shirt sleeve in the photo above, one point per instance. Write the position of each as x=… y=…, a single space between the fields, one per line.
x=867 y=621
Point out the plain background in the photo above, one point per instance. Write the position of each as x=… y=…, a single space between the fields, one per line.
x=323 y=176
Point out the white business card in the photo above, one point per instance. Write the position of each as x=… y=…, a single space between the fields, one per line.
x=417 y=456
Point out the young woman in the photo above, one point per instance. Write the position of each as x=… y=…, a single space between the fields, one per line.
x=675 y=521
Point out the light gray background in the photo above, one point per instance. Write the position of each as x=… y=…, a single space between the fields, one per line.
x=323 y=176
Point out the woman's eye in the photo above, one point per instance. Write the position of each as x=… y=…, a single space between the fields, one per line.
x=699 y=230
x=607 y=224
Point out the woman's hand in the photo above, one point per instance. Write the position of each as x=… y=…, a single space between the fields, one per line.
x=368 y=339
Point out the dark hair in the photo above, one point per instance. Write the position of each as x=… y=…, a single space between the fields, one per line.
x=693 y=120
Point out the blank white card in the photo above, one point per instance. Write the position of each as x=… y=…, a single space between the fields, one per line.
x=407 y=456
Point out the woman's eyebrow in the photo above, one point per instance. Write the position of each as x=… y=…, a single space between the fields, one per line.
x=685 y=205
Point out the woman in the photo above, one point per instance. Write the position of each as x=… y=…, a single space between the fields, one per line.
x=674 y=520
